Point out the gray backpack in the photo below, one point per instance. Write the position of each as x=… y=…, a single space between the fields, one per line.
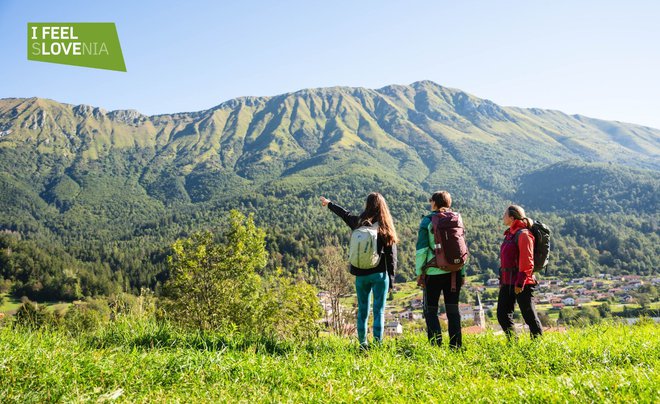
x=363 y=248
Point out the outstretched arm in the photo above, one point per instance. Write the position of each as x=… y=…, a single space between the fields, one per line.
x=350 y=220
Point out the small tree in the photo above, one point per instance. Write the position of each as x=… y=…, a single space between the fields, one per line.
x=545 y=320
x=293 y=309
x=605 y=310
x=32 y=315
x=335 y=281
x=215 y=285
x=643 y=301
x=566 y=316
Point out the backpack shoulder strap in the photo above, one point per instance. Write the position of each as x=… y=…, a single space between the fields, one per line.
x=517 y=235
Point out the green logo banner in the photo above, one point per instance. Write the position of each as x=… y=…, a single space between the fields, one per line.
x=87 y=44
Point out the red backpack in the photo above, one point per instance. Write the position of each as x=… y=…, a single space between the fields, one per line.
x=450 y=249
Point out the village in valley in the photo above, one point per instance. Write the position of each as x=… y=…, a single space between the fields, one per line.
x=604 y=293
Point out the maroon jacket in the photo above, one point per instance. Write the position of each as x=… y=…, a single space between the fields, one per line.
x=517 y=259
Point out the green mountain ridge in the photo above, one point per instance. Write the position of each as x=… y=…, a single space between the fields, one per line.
x=415 y=132
x=300 y=125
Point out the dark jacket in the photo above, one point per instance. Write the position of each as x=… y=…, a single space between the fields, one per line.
x=388 y=258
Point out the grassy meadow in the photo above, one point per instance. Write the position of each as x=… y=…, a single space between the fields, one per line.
x=132 y=360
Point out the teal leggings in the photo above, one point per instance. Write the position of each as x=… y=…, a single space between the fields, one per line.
x=379 y=283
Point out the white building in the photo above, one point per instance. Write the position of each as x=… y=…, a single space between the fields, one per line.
x=393 y=328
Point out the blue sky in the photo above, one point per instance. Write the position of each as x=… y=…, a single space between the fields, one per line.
x=597 y=58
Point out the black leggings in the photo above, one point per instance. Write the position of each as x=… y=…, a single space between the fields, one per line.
x=436 y=284
x=506 y=305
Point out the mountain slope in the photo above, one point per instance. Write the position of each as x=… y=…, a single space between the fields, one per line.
x=413 y=132
x=576 y=187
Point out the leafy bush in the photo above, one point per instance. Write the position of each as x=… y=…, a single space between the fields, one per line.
x=86 y=316
x=126 y=304
x=215 y=286
x=33 y=315
x=293 y=309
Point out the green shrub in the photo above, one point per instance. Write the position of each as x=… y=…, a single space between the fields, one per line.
x=33 y=315
x=88 y=315
x=214 y=286
x=126 y=304
x=294 y=310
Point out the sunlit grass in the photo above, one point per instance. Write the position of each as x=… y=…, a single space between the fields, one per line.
x=143 y=360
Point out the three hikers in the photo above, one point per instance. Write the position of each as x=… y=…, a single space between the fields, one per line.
x=440 y=257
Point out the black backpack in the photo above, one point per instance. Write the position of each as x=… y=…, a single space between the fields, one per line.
x=542 y=235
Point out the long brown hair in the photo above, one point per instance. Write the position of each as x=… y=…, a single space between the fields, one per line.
x=517 y=212
x=376 y=210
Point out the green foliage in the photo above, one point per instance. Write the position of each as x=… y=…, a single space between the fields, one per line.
x=292 y=309
x=605 y=310
x=588 y=315
x=44 y=271
x=33 y=315
x=139 y=307
x=214 y=285
x=578 y=187
x=86 y=316
x=546 y=321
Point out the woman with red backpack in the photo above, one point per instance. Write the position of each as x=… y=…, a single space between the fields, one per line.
x=517 y=281
x=440 y=255
x=373 y=257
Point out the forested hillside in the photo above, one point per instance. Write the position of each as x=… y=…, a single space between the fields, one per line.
x=91 y=200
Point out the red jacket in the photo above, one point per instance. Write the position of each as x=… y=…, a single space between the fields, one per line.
x=521 y=258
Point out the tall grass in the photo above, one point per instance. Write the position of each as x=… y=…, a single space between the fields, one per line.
x=143 y=360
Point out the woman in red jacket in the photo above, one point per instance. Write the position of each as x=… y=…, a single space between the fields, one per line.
x=517 y=281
